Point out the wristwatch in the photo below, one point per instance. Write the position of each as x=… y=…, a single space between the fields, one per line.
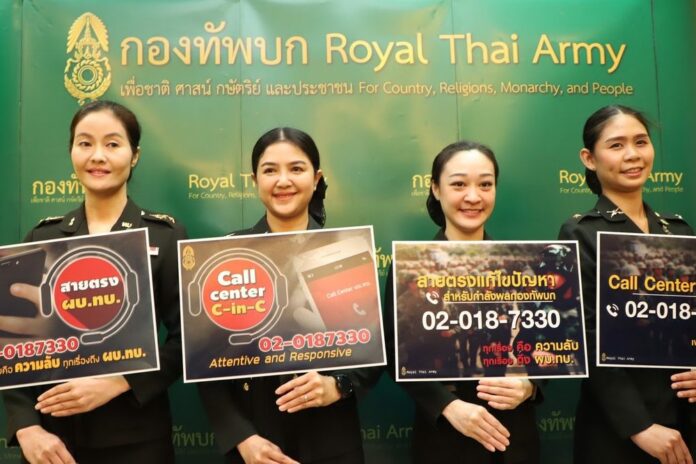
x=343 y=385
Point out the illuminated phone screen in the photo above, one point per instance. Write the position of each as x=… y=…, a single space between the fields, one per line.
x=343 y=292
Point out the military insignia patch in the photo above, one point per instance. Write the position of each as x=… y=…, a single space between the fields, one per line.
x=163 y=217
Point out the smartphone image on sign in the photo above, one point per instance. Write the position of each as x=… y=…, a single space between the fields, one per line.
x=26 y=268
x=339 y=282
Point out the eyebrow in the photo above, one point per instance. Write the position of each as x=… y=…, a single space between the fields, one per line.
x=271 y=163
x=87 y=134
x=464 y=174
x=624 y=137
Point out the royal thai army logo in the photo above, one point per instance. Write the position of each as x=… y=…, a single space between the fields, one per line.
x=188 y=259
x=87 y=72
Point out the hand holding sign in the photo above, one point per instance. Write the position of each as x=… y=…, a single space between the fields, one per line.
x=36 y=326
x=685 y=382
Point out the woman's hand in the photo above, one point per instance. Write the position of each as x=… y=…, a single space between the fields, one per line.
x=33 y=327
x=505 y=393
x=258 y=450
x=685 y=382
x=311 y=390
x=80 y=395
x=40 y=446
x=664 y=444
x=476 y=422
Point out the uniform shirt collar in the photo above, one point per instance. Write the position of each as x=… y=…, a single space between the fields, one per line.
x=75 y=222
x=609 y=211
x=131 y=217
x=262 y=226
x=612 y=213
x=442 y=237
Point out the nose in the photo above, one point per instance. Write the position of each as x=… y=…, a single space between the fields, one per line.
x=283 y=178
x=631 y=152
x=97 y=155
x=472 y=195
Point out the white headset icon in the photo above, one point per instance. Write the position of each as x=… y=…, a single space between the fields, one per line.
x=131 y=295
x=195 y=290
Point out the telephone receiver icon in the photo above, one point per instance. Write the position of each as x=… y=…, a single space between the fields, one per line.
x=613 y=310
x=432 y=297
x=358 y=311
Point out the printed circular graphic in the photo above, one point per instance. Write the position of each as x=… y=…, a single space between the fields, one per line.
x=238 y=294
x=89 y=293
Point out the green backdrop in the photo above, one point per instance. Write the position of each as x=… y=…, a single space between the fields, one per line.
x=382 y=87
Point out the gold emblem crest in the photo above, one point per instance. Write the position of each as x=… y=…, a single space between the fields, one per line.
x=403 y=370
x=87 y=72
x=188 y=259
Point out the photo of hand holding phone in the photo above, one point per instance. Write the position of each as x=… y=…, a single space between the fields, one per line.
x=338 y=280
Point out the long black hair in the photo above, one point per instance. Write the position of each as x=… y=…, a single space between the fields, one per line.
x=433 y=204
x=304 y=142
x=593 y=128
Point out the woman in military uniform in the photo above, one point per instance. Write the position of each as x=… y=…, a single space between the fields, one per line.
x=625 y=415
x=492 y=420
x=311 y=418
x=121 y=418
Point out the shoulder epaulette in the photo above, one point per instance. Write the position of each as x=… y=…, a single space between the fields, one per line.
x=49 y=220
x=159 y=217
x=577 y=217
x=670 y=217
x=236 y=233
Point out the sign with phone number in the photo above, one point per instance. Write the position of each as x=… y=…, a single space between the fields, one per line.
x=466 y=310
x=279 y=303
x=646 y=300
x=86 y=309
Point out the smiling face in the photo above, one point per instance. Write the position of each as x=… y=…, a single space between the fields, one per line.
x=286 y=180
x=622 y=156
x=466 y=192
x=101 y=154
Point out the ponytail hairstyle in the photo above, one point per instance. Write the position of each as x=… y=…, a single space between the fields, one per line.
x=593 y=128
x=433 y=204
x=304 y=142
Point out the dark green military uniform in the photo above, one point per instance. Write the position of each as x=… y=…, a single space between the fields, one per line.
x=616 y=403
x=435 y=441
x=238 y=409
x=138 y=420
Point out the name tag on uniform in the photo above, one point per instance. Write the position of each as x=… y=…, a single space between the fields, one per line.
x=153 y=251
